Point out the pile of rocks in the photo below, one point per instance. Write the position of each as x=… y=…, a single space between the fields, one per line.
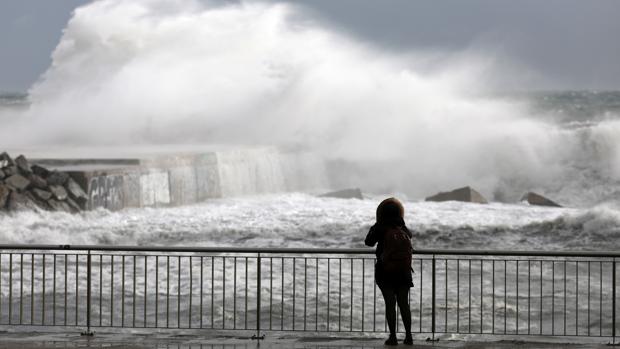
x=26 y=186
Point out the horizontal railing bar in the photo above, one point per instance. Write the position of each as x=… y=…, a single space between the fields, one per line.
x=439 y=252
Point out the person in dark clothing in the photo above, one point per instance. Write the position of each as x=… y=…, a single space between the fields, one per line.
x=394 y=285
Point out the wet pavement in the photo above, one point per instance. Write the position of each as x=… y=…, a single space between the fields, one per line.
x=27 y=340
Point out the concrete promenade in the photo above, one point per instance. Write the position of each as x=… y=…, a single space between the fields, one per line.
x=28 y=340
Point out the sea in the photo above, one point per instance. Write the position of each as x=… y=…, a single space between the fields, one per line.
x=394 y=124
x=302 y=219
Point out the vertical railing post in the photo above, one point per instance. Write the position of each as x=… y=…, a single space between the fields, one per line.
x=433 y=300
x=88 y=332
x=433 y=318
x=613 y=303
x=258 y=336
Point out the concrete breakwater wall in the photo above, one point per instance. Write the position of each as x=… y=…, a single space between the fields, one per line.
x=174 y=180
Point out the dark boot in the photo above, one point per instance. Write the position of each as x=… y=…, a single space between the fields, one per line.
x=408 y=339
x=391 y=340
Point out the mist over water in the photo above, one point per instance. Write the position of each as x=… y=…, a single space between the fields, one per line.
x=159 y=72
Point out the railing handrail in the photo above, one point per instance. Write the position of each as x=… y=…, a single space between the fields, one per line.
x=292 y=250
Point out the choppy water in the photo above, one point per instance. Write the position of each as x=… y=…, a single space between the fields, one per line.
x=303 y=220
x=300 y=219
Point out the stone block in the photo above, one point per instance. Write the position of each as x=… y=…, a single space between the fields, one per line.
x=60 y=193
x=5 y=192
x=9 y=170
x=22 y=165
x=465 y=194
x=18 y=182
x=57 y=178
x=5 y=160
x=74 y=190
x=40 y=203
x=539 y=200
x=40 y=171
x=18 y=202
x=60 y=206
x=73 y=205
x=38 y=182
x=42 y=194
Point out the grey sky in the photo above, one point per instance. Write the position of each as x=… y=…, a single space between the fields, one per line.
x=572 y=43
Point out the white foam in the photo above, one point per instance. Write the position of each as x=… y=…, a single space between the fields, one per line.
x=287 y=220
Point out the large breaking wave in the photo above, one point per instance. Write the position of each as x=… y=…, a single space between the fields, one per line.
x=155 y=72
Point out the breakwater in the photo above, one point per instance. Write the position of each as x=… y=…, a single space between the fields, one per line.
x=160 y=180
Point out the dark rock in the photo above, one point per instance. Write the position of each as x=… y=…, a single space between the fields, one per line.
x=4 y=195
x=354 y=193
x=22 y=165
x=10 y=170
x=539 y=200
x=74 y=206
x=5 y=160
x=38 y=182
x=17 y=182
x=59 y=192
x=19 y=202
x=75 y=191
x=465 y=194
x=42 y=194
x=57 y=178
x=2 y=175
x=40 y=171
x=40 y=203
x=59 y=205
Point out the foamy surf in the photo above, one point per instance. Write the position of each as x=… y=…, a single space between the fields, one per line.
x=303 y=220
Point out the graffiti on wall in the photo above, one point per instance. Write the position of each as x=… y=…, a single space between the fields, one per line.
x=106 y=192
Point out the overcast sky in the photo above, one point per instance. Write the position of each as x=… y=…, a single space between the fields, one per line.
x=573 y=44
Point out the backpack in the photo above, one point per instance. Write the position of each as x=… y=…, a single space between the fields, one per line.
x=397 y=250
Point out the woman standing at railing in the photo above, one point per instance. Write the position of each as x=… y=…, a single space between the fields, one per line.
x=393 y=266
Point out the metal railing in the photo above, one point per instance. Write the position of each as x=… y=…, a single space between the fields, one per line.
x=297 y=289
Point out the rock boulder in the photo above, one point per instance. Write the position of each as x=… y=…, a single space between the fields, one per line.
x=5 y=160
x=38 y=182
x=539 y=200
x=57 y=178
x=22 y=165
x=26 y=186
x=465 y=194
x=5 y=192
x=42 y=194
x=59 y=192
x=59 y=205
x=18 y=202
x=40 y=171
x=75 y=191
x=10 y=170
x=18 y=182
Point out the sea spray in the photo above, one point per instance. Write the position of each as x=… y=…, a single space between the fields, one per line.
x=252 y=73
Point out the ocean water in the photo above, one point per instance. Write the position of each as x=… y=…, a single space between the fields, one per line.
x=389 y=123
x=143 y=74
x=305 y=220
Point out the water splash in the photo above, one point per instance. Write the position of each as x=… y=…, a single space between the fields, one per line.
x=252 y=73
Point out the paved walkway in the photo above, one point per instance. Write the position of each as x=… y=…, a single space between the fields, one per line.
x=28 y=340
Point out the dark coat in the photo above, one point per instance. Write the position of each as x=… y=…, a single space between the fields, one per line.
x=375 y=236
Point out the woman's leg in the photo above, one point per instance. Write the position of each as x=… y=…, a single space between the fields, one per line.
x=402 y=297
x=390 y=307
